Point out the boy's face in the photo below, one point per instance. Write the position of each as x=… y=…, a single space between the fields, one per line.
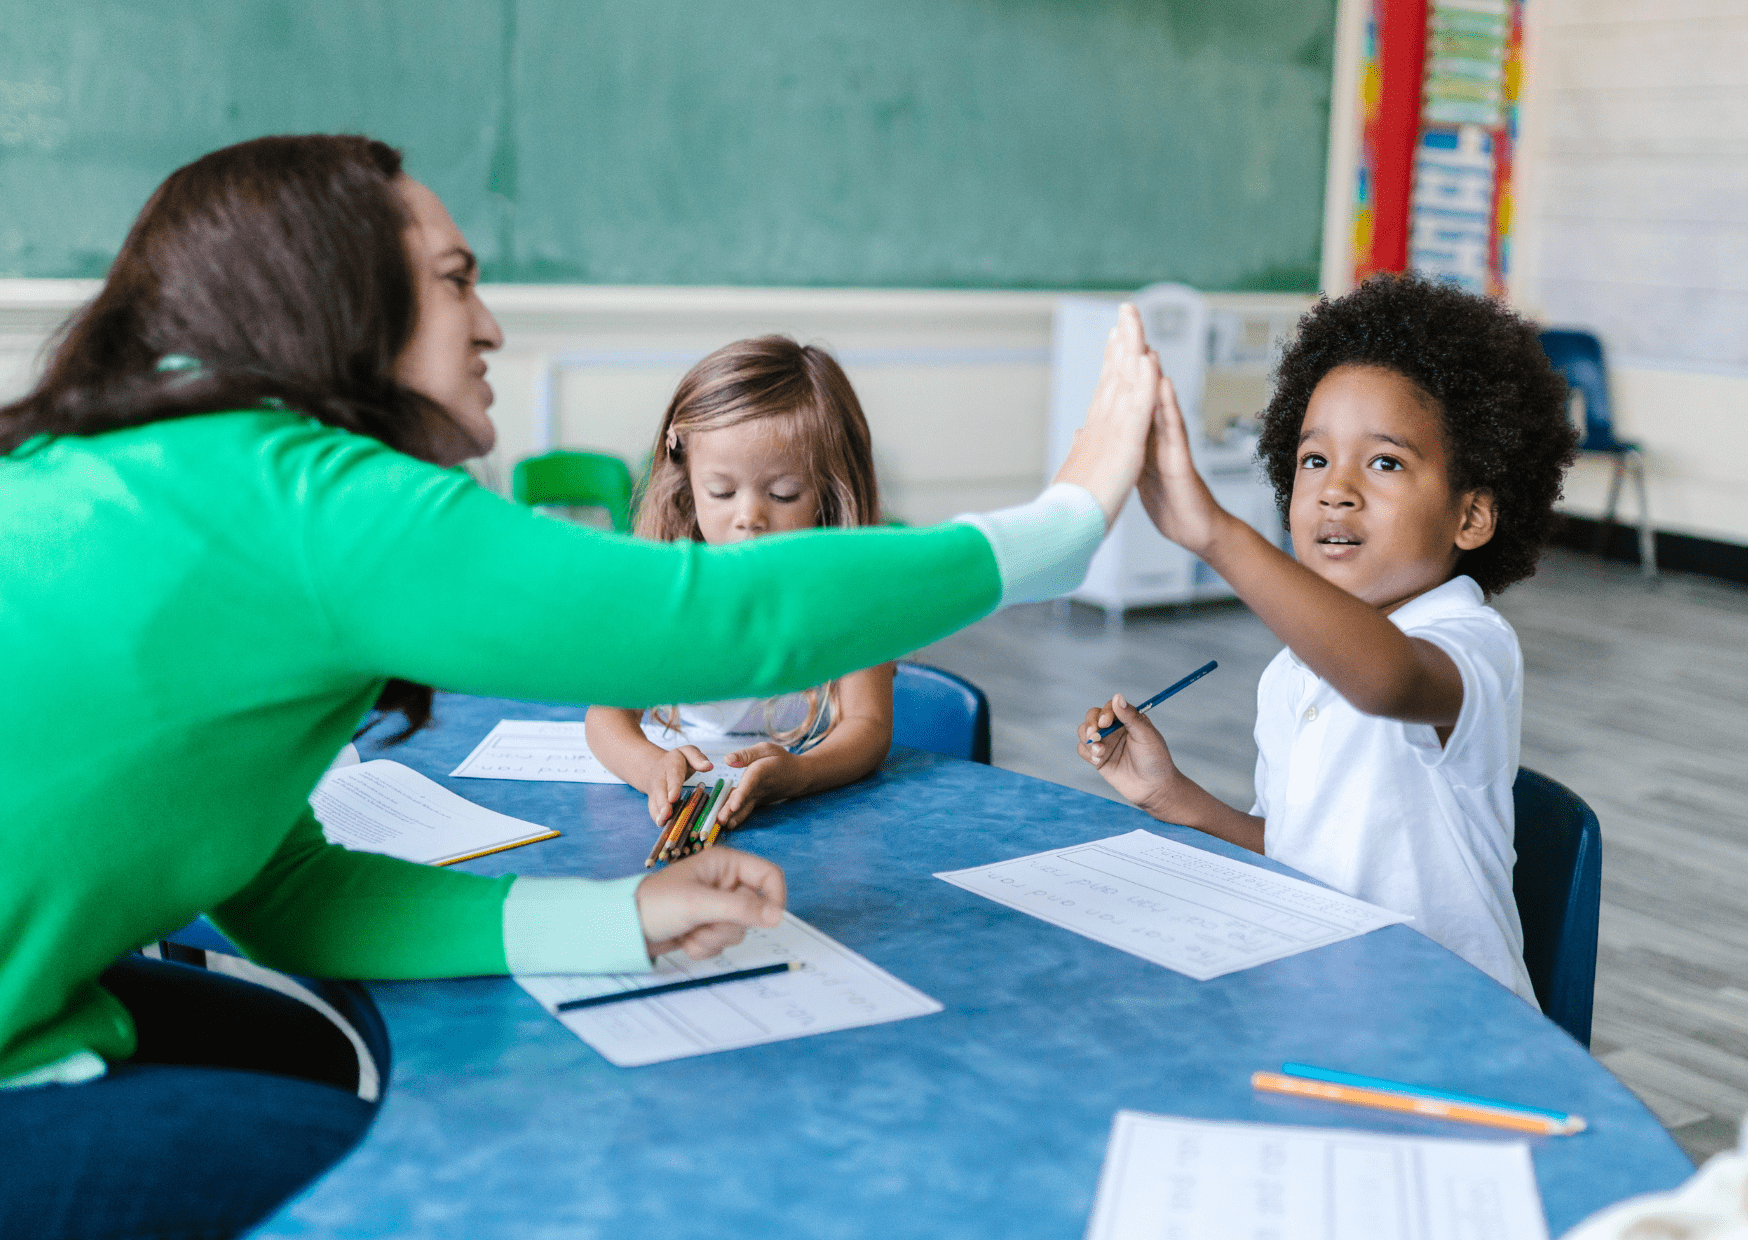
x=1372 y=510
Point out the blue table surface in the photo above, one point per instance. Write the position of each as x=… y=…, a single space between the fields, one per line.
x=987 y=1119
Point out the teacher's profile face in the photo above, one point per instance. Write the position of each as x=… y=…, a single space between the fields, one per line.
x=453 y=330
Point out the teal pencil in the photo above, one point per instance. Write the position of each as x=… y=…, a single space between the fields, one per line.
x=1419 y=1091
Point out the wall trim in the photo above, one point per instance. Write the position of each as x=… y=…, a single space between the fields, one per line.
x=1685 y=553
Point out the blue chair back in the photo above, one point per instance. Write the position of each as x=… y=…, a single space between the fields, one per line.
x=935 y=710
x=1558 y=886
x=1578 y=356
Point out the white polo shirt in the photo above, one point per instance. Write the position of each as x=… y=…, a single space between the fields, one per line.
x=1376 y=808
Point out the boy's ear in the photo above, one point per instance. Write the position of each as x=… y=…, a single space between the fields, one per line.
x=1480 y=518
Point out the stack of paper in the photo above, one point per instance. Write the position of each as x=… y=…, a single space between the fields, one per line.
x=1207 y=1180
x=384 y=807
x=557 y=751
x=834 y=989
x=1190 y=910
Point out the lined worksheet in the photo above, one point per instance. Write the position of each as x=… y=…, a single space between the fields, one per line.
x=834 y=989
x=1209 y=1180
x=384 y=807
x=1192 y=911
x=557 y=751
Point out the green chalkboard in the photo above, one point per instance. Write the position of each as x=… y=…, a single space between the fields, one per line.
x=922 y=143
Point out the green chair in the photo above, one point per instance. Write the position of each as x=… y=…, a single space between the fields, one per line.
x=575 y=480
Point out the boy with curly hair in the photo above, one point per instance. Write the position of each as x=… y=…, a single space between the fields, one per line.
x=1416 y=441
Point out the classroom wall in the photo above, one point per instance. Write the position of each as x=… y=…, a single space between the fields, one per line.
x=1633 y=221
x=955 y=384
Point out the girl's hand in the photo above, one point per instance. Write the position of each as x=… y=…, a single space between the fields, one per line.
x=1182 y=507
x=669 y=783
x=704 y=902
x=1134 y=759
x=1110 y=449
x=768 y=767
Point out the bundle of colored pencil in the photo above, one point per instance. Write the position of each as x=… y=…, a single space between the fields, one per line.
x=692 y=827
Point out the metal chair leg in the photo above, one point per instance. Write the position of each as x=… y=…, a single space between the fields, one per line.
x=1599 y=544
x=1647 y=538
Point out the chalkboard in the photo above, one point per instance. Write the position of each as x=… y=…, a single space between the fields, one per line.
x=920 y=143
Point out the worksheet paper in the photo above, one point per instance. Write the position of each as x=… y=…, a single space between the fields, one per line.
x=1181 y=1179
x=1192 y=911
x=557 y=751
x=834 y=989
x=384 y=807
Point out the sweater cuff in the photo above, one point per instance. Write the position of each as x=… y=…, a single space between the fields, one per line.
x=574 y=925
x=1043 y=549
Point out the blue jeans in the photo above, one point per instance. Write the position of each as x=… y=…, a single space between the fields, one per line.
x=237 y=1098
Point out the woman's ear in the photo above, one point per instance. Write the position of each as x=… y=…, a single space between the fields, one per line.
x=1480 y=519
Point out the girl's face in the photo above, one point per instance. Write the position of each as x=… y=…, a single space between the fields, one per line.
x=749 y=480
x=1372 y=509
x=453 y=330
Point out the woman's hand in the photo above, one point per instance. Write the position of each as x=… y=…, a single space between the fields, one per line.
x=1134 y=759
x=770 y=776
x=1109 y=450
x=705 y=902
x=1176 y=498
x=670 y=776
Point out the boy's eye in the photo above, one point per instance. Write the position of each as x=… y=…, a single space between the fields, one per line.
x=1312 y=460
x=1386 y=463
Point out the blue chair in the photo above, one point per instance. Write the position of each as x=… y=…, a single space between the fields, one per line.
x=935 y=710
x=1558 y=887
x=1578 y=356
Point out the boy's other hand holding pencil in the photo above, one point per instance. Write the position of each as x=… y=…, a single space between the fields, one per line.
x=1134 y=759
x=705 y=902
x=670 y=782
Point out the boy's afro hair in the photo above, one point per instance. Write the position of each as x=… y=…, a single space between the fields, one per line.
x=1504 y=405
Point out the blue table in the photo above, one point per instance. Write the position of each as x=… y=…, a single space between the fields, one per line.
x=988 y=1119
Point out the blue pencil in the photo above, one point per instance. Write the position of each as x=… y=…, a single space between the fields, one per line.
x=1419 y=1091
x=1159 y=697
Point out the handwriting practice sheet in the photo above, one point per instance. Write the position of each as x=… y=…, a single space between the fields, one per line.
x=384 y=807
x=1192 y=911
x=1207 y=1180
x=834 y=989
x=556 y=751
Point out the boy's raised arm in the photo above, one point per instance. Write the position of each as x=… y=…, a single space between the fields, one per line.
x=1348 y=642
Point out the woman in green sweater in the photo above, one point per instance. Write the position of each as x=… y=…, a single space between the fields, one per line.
x=229 y=533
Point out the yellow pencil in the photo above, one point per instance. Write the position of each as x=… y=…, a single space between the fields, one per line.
x=1410 y=1104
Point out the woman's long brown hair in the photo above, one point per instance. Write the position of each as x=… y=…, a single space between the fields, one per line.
x=280 y=266
x=805 y=393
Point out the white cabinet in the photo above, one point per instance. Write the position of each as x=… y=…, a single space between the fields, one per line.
x=1137 y=567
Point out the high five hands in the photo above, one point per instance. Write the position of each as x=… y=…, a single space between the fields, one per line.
x=1111 y=448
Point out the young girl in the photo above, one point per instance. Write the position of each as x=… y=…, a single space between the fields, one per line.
x=762 y=437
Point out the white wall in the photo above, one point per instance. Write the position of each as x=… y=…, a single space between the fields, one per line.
x=1633 y=221
x=955 y=384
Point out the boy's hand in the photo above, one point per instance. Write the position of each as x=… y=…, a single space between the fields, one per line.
x=1109 y=450
x=1134 y=759
x=769 y=768
x=1182 y=507
x=704 y=902
x=672 y=771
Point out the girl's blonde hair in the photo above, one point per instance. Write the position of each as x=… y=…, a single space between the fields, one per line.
x=802 y=389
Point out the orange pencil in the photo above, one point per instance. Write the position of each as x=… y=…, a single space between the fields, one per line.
x=1411 y=1104
x=682 y=817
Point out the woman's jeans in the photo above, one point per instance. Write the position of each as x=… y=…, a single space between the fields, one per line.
x=238 y=1097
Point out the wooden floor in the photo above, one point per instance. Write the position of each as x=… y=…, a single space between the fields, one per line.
x=1636 y=697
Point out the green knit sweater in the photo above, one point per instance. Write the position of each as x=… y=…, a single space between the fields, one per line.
x=195 y=615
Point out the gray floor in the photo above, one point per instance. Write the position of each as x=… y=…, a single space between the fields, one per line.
x=1636 y=697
